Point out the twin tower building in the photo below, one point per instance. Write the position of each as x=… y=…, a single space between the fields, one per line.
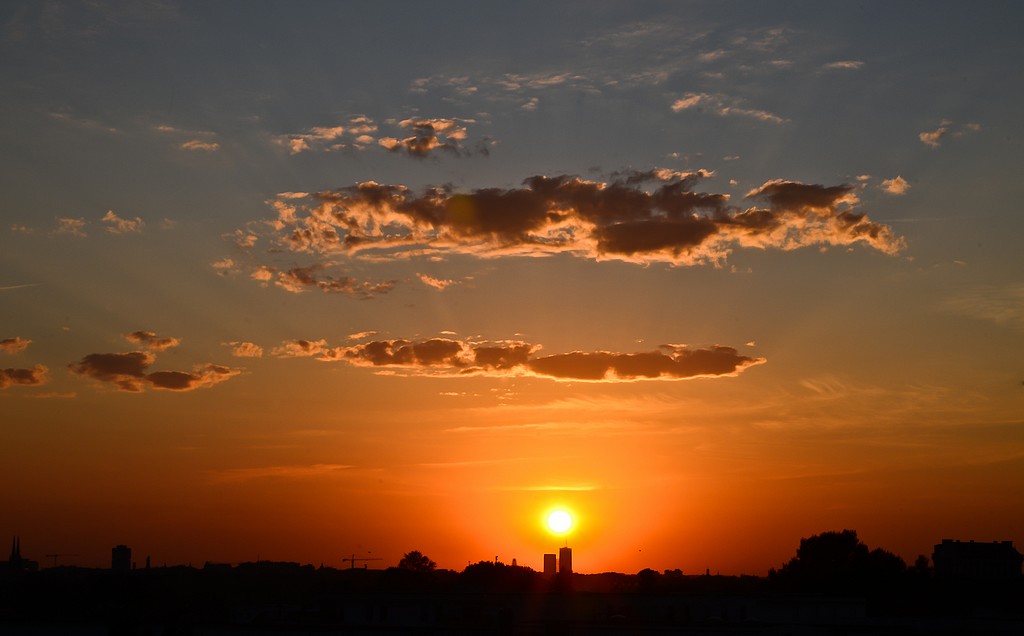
x=564 y=564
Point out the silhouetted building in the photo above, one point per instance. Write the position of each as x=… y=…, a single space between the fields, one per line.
x=970 y=560
x=550 y=564
x=121 y=558
x=16 y=562
x=565 y=560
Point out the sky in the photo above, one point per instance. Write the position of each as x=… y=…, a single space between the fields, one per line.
x=312 y=280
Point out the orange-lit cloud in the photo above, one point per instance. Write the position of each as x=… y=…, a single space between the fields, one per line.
x=23 y=377
x=429 y=135
x=14 y=345
x=722 y=106
x=641 y=217
x=947 y=128
x=354 y=135
x=151 y=341
x=897 y=185
x=129 y=372
x=299 y=348
x=451 y=357
x=200 y=145
x=74 y=227
x=245 y=349
x=437 y=283
x=118 y=225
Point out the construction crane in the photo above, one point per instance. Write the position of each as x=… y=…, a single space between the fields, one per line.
x=352 y=560
x=59 y=554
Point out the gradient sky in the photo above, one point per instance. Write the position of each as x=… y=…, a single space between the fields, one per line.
x=305 y=280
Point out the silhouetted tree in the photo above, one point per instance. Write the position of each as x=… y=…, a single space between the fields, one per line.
x=839 y=561
x=416 y=561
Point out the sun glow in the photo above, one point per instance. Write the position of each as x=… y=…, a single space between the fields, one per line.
x=559 y=521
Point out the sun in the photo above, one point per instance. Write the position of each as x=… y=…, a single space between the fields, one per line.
x=559 y=521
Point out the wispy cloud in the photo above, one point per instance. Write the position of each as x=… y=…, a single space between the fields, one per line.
x=844 y=65
x=200 y=145
x=947 y=128
x=998 y=304
x=723 y=106
x=296 y=471
x=13 y=287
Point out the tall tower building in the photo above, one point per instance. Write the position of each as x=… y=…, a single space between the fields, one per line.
x=550 y=564
x=565 y=560
x=121 y=558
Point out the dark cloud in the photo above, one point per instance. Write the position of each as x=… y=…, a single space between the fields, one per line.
x=637 y=216
x=671 y=363
x=23 y=377
x=300 y=279
x=151 y=341
x=451 y=357
x=14 y=345
x=128 y=372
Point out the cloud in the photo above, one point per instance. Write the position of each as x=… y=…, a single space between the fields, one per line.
x=723 y=106
x=896 y=185
x=129 y=372
x=151 y=341
x=933 y=138
x=279 y=472
x=118 y=225
x=1002 y=305
x=851 y=65
x=530 y=104
x=14 y=345
x=354 y=134
x=637 y=216
x=245 y=349
x=23 y=377
x=436 y=283
x=429 y=135
x=301 y=279
x=299 y=348
x=450 y=357
x=74 y=227
x=947 y=128
x=200 y=145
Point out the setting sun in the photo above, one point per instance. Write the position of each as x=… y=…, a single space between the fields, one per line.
x=559 y=521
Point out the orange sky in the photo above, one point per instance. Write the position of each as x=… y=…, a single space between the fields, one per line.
x=305 y=285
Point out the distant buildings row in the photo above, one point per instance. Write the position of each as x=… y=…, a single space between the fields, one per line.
x=951 y=559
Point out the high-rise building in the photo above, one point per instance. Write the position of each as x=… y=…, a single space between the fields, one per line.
x=565 y=560
x=121 y=558
x=550 y=564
